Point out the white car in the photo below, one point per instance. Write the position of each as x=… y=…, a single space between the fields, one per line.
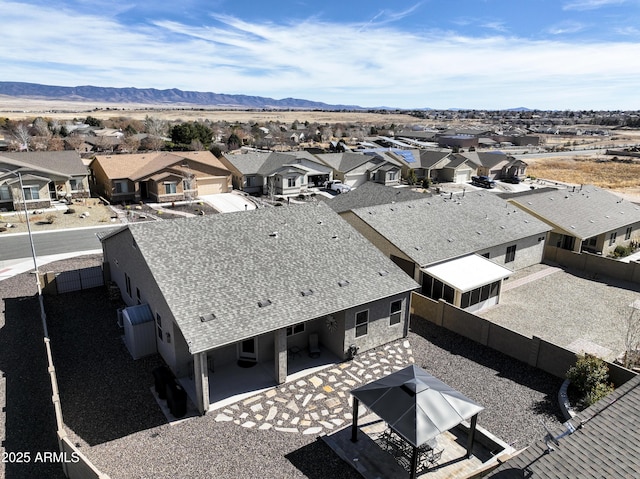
x=337 y=186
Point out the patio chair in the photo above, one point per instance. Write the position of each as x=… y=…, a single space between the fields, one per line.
x=314 y=348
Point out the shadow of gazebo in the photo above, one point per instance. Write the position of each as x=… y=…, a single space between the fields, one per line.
x=417 y=407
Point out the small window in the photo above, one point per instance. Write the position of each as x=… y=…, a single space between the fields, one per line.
x=170 y=188
x=511 y=254
x=291 y=182
x=464 y=302
x=127 y=282
x=5 y=193
x=121 y=187
x=31 y=193
x=362 y=323
x=627 y=234
x=75 y=184
x=159 y=326
x=295 y=329
x=612 y=238
x=495 y=289
x=395 y=315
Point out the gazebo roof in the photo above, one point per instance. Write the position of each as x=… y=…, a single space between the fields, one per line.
x=415 y=404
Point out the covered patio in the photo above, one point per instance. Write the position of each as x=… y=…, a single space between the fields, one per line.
x=418 y=425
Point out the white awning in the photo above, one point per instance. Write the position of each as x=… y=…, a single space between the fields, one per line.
x=468 y=272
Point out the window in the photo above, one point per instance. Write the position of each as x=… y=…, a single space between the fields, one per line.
x=511 y=254
x=464 y=301
x=392 y=175
x=186 y=184
x=395 y=315
x=159 y=326
x=121 y=186
x=627 y=234
x=127 y=282
x=612 y=238
x=295 y=329
x=170 y=188
x=251 y=181
x=31 y=193
x=291 y=182
x=362 y=323
x=5 y=193
x=75 y=184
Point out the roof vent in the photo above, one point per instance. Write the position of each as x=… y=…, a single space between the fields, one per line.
x=334 y=237
x=502 y=227
x=263 y=303
x=591 y=221
x=274 y=234
x=306 y=292
x=343 y=282
x=450 y=240
x=207 y=317
x=478 y=232
x=417 y=248
x=383 y=272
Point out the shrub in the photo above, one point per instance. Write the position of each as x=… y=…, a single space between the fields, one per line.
x=598 y=392
x=622 y=251
x=51 y=218
x=588 y=372
x=426 y=183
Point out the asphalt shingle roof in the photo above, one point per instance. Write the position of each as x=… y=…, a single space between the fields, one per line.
x=65 y=162
x=226 y=264
x=582 y=212
x=265 y=163
x=438 y=228
x=371 y=194
x=606 y=445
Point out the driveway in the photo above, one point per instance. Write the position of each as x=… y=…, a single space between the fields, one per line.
x=229 y=202
x=575 y=311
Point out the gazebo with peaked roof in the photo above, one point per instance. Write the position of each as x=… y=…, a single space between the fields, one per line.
x=417 y=406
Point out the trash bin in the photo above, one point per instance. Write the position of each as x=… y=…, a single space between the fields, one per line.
x=176 y=399
x=162 y=376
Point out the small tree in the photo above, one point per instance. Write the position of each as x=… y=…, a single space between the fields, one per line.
x=631 y=331
x=590 y=376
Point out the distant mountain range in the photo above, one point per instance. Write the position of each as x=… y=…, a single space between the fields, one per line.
x=151 y=96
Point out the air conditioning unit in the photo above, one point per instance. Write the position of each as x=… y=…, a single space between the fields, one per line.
x=120 y=324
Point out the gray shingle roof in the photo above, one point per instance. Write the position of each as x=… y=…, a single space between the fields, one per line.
x=65 y=162
x=226 y=264
x=265 y=163
x=607 y=444
x=582 y=212
x=371 y=194
x=438 y=228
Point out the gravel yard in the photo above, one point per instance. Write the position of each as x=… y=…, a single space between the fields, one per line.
x=110 y=412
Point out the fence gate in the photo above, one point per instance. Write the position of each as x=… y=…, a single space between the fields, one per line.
x=79 y=279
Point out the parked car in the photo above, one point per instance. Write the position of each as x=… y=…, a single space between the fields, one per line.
x=337 y=186
x=483 y=181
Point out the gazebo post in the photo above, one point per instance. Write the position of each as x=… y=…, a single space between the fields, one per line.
x=472 y=435
x=354 y=420
x=414 y=463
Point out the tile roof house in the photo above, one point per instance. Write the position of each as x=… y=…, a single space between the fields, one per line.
x=276 y=173
x=46 y=176
x=584 y=218
x=435 y=239
x=354 y=168
x=252 y=285
x=606 y=443
x=159 y=176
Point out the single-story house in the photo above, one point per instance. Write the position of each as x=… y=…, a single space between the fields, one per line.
x=159 y=176
x=584 y=218
x=266 y=173
x=251 y=286
x=46 y=176
x=371 y=194
x=444 y=241
x=355 y=168
x=497 y=165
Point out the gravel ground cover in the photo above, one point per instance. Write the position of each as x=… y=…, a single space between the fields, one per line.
x=112 y=416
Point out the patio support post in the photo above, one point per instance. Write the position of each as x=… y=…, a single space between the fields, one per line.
x=280 y=355
x=472 y=436
x=354 y=420
x=414 y=463
x=201 y=379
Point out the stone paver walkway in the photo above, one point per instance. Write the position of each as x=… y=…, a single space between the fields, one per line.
x=531 y=277
x=320 y=402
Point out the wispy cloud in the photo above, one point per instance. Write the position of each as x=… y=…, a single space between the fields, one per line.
x=590 y=4
x=566 y=27
x=384 y=17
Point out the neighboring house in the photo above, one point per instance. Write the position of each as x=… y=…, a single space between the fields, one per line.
x=159 y=176
x=371 y=194
x=428 y=164
x=46 y=176
x=606 y=443
x=497 y=165
x=457 y=247
x=252 y=285
x=355 y=169
x=440 y=166
x=584 y=218
x=287 y=174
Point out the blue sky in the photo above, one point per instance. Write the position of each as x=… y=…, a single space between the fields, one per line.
x=483 y=54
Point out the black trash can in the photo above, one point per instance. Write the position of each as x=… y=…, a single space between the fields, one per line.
x=176 y=399
x=162 y=376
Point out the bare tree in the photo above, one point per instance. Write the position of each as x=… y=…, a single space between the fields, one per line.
x=22 y=137
x=157 y=130
x=631 y=331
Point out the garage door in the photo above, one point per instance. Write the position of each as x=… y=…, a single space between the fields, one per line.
x=212 y=186
x=463 y=176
